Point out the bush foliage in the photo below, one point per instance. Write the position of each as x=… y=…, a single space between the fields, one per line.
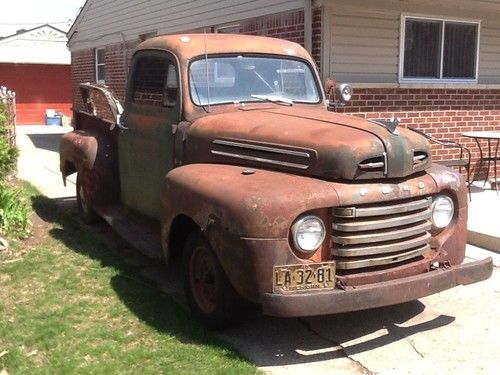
x=14 y=213
x=8 y=154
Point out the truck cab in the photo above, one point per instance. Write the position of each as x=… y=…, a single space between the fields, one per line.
x=225 y=153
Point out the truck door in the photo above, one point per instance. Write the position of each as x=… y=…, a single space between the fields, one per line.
x=146 y=145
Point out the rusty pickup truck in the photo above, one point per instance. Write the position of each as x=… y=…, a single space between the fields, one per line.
x=226 y=155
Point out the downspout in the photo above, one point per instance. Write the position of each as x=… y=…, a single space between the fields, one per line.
x=308 y=25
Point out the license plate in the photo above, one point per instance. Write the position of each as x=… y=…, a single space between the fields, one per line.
x=303 y=277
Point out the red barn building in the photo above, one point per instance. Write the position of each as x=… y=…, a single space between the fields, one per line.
x=36 y=65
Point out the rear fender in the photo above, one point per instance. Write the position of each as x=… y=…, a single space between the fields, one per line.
x=93 y=156
x=77 y=152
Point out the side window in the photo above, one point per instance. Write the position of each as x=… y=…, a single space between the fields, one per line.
x=155 y=82
x=99 y=64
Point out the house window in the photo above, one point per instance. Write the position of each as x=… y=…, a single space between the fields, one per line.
x=436 y=49
x=99 y=64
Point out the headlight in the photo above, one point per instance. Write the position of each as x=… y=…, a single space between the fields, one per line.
x=308 y=233
x=442 y=211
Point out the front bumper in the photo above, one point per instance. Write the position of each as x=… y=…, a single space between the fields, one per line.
x=375 y=295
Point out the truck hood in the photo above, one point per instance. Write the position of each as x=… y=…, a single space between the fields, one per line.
x=311 y=142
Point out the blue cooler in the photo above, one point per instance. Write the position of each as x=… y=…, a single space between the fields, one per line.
x=53 y=120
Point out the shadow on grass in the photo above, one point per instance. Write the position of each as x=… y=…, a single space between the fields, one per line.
x=141 y=297
x=266 y=341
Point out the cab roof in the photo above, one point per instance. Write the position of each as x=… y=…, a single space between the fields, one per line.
x=187 y=46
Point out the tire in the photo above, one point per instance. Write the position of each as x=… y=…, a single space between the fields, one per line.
x=209 y=293
x=84 y=202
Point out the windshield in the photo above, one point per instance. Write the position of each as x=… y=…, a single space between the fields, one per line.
x=235 y=79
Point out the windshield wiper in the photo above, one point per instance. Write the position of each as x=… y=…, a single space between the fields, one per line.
x=274 y=99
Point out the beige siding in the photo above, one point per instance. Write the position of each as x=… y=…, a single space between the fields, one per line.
x=365 y=36
x=106 y=22
x=364 y=45
x=489 y=53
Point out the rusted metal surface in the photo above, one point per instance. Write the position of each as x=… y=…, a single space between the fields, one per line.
x=146 y=146
x=247 y=218
x=188 y=47
x=313 y=142
x=91 y=149
x=376 y=295
x=92 y=153
x=99 y=101
x=244 y=174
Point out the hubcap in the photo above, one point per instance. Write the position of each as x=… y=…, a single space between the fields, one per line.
x=203 y=279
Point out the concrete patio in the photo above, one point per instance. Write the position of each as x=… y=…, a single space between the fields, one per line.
x=483 y=227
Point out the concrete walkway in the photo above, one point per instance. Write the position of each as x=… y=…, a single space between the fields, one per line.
x=38 y=162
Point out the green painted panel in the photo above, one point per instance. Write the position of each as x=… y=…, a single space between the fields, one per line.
x=146 y=148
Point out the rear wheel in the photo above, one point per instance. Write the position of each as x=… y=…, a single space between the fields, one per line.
x=84 y=201
x=209 y=293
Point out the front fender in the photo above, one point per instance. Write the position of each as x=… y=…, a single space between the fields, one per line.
x=261 y=204
x=247 y=216
x=452 y=240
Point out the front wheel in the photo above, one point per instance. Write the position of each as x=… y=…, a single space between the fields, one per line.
x=209 y=293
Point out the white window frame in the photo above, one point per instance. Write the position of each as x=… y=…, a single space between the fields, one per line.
x=220 y=28
x=97 y=65
x=441 y=79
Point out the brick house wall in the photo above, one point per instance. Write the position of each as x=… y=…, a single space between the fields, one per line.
x=117 y=58
x=444 y=113
x=289 y=26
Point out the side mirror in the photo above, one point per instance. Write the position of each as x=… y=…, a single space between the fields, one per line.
x=337 y=94
x=330 y=85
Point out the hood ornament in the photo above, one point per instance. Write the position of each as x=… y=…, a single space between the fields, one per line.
x=390 y=125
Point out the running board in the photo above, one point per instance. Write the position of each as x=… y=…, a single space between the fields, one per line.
x=140 y=232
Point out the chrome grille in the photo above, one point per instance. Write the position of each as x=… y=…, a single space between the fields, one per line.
x=380 y=234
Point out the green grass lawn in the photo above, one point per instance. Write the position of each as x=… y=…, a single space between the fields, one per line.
x=70 y=305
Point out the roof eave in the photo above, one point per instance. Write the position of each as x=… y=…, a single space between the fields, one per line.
x=77 y=21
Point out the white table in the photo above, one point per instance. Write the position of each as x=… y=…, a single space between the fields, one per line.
x=489 y=136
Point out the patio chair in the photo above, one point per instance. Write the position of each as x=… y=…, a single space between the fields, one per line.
x=463 y=160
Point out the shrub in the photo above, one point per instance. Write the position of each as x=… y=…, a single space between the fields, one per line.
x=14 y=213
x=8 y=153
